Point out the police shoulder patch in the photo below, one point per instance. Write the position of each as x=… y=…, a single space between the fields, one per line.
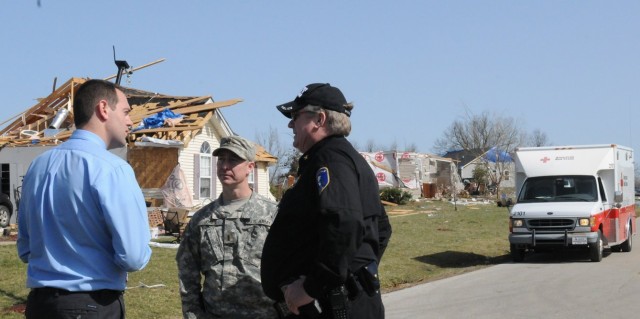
x=322 y=178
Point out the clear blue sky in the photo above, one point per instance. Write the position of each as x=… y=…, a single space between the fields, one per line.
x=568 y=68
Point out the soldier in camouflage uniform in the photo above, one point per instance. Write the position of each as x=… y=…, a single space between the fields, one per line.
x=223 y=242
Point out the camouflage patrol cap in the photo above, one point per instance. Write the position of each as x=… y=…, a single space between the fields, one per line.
x=242 y=147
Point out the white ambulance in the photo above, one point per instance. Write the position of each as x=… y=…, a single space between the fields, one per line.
x=573 y=197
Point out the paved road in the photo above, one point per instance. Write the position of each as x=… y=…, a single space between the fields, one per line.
x=553 y=285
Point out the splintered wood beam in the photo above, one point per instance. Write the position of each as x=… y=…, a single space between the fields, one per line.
x=188 y=138
x=139 y=115
x=43 y=120
x=64 y=91
x=386 y=203
x=166 y=129
x=191 y=118
x=182 y=108
x=205 y=119
x=207 y=107
x=60 y=137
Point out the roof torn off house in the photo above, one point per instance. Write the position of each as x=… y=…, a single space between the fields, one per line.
x=426 y=174
x=168 y=131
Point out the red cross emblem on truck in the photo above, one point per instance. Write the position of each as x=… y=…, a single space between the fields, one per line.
x=545 y=160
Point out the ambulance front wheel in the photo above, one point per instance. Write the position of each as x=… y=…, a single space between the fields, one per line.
x=596 y=249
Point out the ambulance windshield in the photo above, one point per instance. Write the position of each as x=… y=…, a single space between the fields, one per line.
x=559 y=189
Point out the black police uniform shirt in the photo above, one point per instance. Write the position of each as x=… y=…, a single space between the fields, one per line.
x=330 y=223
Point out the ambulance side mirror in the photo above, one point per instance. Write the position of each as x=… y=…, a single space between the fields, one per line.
x=617 y=199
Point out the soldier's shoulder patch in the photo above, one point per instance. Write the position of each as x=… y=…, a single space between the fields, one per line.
x=322 y=178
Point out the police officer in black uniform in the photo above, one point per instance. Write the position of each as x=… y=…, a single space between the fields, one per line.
x=321 y=256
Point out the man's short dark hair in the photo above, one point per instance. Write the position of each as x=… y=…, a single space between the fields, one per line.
x=88 y=96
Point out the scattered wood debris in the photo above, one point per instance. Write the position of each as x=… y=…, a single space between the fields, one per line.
x=34 y=126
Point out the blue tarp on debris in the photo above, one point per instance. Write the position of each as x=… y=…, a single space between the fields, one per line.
x=494 y=155
x=157 y=120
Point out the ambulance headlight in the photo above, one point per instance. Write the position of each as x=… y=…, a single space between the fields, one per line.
x=517 y=223
x=584 y=222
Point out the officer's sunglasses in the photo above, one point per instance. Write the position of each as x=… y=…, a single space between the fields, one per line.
x=296 y=115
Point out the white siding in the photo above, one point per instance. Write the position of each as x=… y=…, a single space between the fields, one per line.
x=263 y=180
x=185 y=158
x=19 y=160
x=210 y=135
x=467 y=172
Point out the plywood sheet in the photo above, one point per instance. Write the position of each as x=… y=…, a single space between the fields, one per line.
x=152 y=165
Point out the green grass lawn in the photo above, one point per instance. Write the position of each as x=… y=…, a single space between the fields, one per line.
x=438 y=241
x=430 y=241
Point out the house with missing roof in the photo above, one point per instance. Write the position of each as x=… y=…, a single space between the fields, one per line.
x=499 y=162
x=425 y=175
x=153 y=152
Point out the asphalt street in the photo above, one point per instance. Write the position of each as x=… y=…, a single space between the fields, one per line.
x=550 y=285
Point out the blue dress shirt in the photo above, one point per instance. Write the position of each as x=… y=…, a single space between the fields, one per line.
x=82 y=220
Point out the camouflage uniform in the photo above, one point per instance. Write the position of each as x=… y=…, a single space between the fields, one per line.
x=227 y=251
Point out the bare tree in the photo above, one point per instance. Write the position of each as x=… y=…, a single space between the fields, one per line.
x=355 y=145
x=370 y=146
x=480 y=132
x=393 y=146
x=270 y=140
x=538 y=138
x=488 y=137
x=290 y=163
x=412 y=147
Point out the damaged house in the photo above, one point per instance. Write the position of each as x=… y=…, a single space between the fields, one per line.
x=498 y=164
x=426 y=174
x=154 y=152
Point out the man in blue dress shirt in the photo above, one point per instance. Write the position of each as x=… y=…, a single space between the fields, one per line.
x=83 y=223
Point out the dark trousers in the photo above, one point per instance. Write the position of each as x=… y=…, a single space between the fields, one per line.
x=367 y=307
x=362 y=307
x=62 y=304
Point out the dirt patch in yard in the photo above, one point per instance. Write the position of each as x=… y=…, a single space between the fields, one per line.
x=17 y=308
x=9 y=238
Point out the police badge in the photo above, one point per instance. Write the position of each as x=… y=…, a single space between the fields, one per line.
x=322 y=178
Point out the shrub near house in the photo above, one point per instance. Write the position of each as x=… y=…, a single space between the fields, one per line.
x=395 y=195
